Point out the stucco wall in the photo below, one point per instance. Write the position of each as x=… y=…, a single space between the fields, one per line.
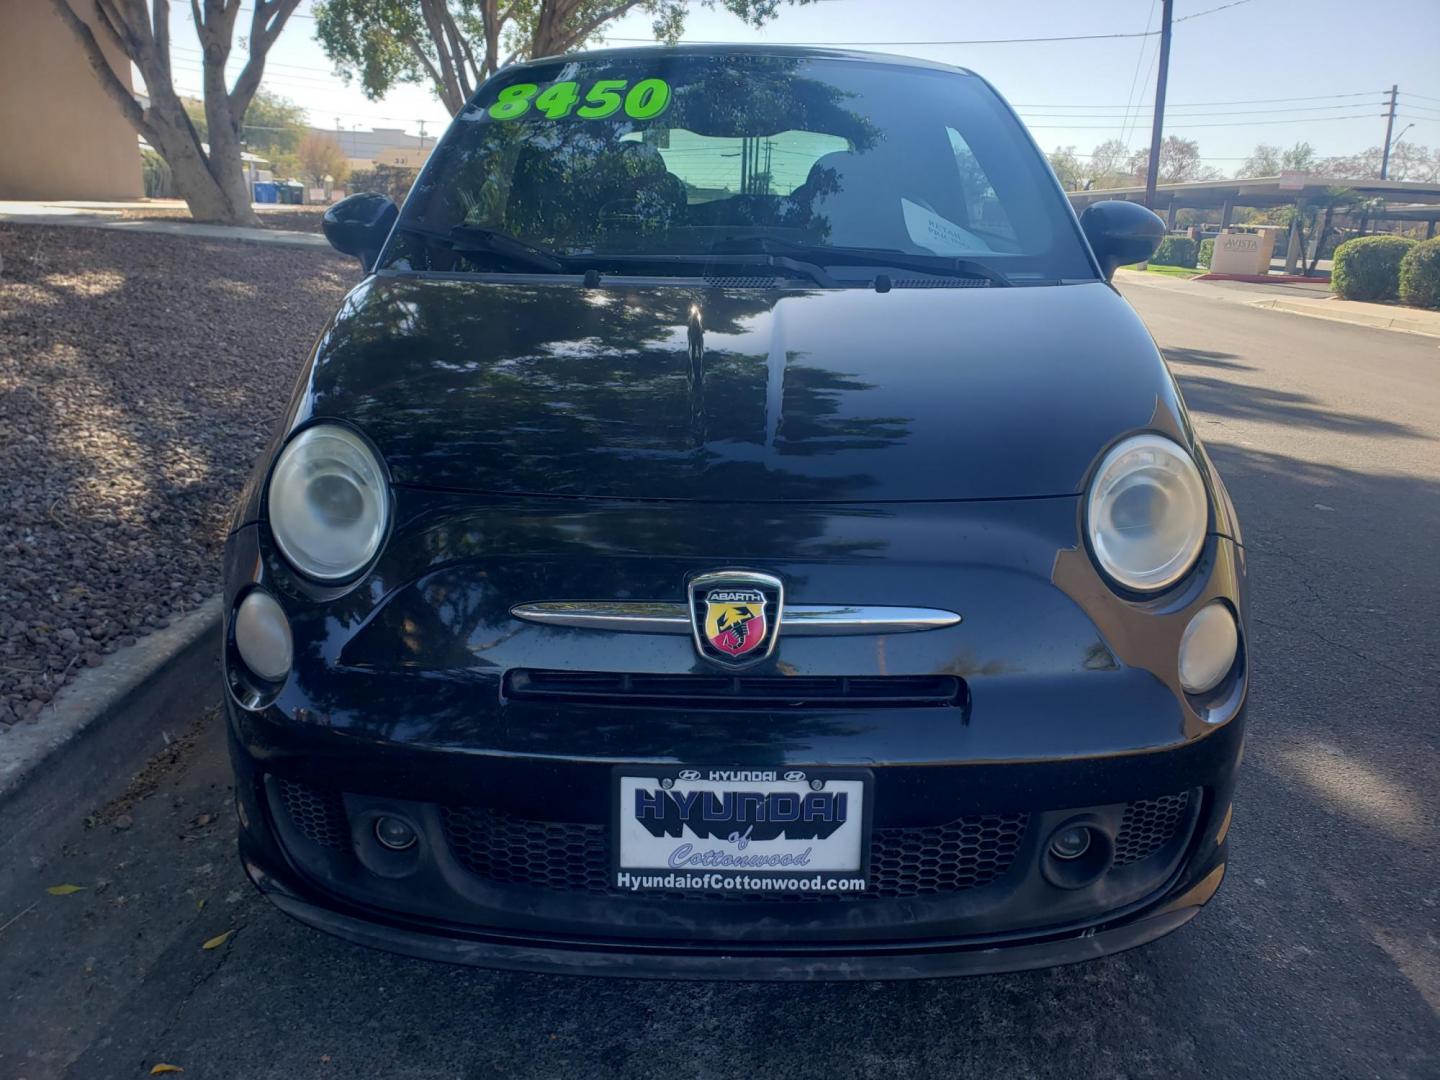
x=62 y=136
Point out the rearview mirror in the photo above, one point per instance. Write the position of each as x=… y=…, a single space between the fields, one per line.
x=358 y=225
x=1121 y=233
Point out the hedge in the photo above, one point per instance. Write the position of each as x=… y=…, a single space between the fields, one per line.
x=1420 y=275
x=1368 y=267
x=1175 y=251
x=1207 y=253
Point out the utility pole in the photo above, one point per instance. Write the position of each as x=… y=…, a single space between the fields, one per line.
x=1158 y=122
x=1389 y=127
x=422 y=134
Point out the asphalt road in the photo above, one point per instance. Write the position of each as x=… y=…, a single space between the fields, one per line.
x=1320 y=957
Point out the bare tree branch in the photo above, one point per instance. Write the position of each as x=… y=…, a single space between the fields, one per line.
x=266 y=23
x=584 y=30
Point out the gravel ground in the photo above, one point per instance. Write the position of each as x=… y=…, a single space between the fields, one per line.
x=140 y=376
x=304 y=219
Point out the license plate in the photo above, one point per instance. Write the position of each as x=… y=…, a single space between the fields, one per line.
x=742 y=830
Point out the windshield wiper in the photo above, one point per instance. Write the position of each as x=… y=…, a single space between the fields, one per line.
x=758 y=262
x=825 y=255
x=478 y=240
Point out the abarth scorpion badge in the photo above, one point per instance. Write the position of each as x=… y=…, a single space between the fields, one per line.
x=735 y=615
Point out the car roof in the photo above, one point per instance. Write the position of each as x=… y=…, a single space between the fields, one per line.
x=811 y=51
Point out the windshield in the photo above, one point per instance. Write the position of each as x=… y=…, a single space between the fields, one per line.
x=608 y=162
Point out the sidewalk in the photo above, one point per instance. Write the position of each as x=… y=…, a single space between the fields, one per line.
x=1296 y=299
x=93 y=215
x=1383 y=316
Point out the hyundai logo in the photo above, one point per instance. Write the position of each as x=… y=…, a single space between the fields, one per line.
x=794 y=776
x=689 y=774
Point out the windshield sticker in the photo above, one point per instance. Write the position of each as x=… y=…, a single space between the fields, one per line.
x=645 y=100
x=940 y=235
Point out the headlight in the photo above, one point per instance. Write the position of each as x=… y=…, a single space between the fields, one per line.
x=1147 y=513
x=328 y=503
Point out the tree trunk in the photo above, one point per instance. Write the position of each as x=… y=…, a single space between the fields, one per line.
x=212 y=185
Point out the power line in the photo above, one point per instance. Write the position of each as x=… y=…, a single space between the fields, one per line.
x=1243 y=123
x=1240 y=112
x=1135 y=76
x=972 y=41
x=1237 y=101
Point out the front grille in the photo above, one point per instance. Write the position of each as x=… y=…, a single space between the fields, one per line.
x=509 y=850
x=317 y=814
x=1148 y=826
x=736 y=691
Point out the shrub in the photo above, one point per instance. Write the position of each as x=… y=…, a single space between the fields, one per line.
x=1368 y=267
x=1207 y=252
x=159 y=182
x=1175 y=251
x=1420 y=275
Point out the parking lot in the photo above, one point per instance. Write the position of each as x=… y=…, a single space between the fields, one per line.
x=1320 y=957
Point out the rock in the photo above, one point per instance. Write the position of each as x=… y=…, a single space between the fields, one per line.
x=123 y=822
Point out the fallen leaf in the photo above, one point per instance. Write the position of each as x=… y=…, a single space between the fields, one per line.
x=64 y=890
x=200 y=904
x=218 y=940
x=164 y=1068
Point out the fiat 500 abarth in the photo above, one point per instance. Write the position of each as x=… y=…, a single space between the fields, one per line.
x=735 y=529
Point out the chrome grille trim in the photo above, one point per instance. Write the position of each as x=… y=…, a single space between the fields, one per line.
x=796 y=620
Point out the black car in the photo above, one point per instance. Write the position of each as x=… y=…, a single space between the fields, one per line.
x=736 y=530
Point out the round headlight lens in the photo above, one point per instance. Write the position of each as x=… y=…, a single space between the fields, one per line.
x=1147 y=513
x=328 y=503
x=1207 y=648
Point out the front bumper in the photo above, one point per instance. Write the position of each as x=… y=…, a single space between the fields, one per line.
x=491 y=913
x=398 y=703
x=562 y=956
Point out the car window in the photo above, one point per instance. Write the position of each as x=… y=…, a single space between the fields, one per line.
x=671 y=154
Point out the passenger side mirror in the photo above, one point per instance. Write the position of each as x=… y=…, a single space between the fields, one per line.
x=358 y=225
x=1121 y=233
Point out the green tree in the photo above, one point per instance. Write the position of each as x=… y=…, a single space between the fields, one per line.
x=1068 y=169
x=455 y=45
x=1264 y=160
x=273 y=125
x=206 y=169
x=1179 y=162
x=1109 y=165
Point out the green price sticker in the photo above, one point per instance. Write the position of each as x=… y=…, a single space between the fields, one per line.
x=645 y=100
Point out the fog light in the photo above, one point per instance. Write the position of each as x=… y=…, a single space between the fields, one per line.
x=1070 y=843
x=394 y=833
x=262 y=636
x=1208 y=648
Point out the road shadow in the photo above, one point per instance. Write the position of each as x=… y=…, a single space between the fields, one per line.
x=1285 y=408
x=1205 y=358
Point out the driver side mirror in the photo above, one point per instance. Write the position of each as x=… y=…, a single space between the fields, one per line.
x=358 y=225
x=1121 y=233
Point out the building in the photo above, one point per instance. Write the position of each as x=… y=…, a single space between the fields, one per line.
x=382 y=146
x=64 y=137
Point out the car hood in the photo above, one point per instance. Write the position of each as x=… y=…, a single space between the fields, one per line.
x=669 y=392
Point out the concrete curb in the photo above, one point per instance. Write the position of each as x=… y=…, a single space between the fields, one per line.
x=1325 y=309
x=104 y=726
x=243 y=233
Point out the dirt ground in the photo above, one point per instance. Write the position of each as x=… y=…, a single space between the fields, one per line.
x=140 y=376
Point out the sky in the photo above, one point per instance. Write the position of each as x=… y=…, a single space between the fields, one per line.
x=1273 y=71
